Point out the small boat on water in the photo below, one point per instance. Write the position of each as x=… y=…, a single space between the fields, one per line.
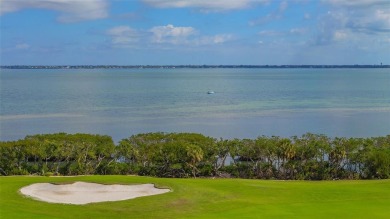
x=210 y=92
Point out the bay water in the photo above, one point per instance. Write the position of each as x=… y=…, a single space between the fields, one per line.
x=246 y=103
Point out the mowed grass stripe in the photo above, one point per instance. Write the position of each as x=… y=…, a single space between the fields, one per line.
x=210 y=198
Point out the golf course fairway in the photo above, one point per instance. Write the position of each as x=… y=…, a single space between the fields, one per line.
x=209 y=198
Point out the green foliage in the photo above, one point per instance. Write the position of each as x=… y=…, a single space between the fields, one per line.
x=184 y=155
x=59 y=153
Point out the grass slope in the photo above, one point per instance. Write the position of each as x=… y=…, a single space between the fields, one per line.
x=210 y=198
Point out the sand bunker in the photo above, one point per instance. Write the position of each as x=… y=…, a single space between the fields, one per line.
x=80 y=193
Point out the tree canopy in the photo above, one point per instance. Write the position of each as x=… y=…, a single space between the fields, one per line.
x=308 y=157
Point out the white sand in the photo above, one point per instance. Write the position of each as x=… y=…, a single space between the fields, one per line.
x=80 y=193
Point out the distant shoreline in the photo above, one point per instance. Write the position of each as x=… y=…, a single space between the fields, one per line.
x=181 y=66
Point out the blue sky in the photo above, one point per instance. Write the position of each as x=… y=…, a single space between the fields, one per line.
x=131 y=32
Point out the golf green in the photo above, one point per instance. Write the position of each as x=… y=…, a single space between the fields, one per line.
x=209 y=198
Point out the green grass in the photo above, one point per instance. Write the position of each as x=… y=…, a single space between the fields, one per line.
x=210 y=198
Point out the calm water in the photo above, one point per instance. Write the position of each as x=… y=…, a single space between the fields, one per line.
x=247 y=102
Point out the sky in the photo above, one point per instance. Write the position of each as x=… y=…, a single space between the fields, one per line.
x=194 y=32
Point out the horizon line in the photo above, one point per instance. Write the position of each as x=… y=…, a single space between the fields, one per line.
x=88 y=66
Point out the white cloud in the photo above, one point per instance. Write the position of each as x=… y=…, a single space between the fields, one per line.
x=162 y=36
x=22 y=46
x=382 y=15
x=189 y=36
x=221 y=38
x=363 y=15
x=275 y=15
x=123 y=35
x=298 y=30
x=340 y=35
x=206 y=5
x=270 y=33
x=210 y=40
x=283 y=6
x=356 y=3
x=282 y=33
x=307 y=16
x=71 y=10
x=353 y=21
x=171 y=34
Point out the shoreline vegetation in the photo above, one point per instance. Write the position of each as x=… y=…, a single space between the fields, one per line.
x=183 y=66
x=191 y=155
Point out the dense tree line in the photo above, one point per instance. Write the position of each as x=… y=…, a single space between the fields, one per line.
x=309 y=157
